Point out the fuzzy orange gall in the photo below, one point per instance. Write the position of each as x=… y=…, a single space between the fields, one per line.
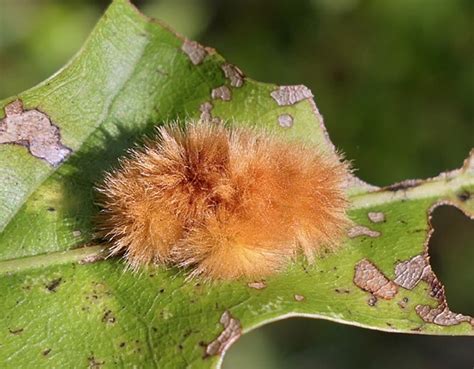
x=224 y=203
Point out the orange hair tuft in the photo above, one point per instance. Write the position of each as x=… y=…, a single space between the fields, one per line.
x=224 y=202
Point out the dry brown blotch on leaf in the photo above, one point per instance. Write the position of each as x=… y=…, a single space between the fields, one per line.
x=359 y=230
x=231 y=333
x=376 y=216
x=33 y=129
x=441 y=315
x=223 y=202
x=290 y=95
x=222 y=93
x=299 y=298
x=285 y=120
x=409 y=273
x=234 y=74
x=369 y=278
x=258 y=285
x=195 y=51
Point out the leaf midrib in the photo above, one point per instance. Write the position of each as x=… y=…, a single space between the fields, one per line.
x=431 y=188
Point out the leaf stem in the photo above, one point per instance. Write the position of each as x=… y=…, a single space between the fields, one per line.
x=82 y=255
x=437 y=187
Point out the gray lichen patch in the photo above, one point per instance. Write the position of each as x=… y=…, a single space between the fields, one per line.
x=441 y=315
x=259 y=285
x=231 y=333
x=359 y=230
x=234 y=74
x=34 y=130
x=285 y=120
x=369 y=278
x=221 y=92
x=195 y=51
x=289 y=95
x=376 y=216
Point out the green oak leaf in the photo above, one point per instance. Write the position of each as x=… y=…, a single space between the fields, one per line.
x=63 y=306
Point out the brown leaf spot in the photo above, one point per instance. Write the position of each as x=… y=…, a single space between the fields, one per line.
x=372 y=301
x=299 y=298
x=195 y=51
x=94 y=363
x=464 y=196
x=289 y=95
x=16 y=331
x=222 y=92
x=370 y=279
x=46 y=352
x=376 y=216
x=285 y=120
x=76 y=233
x=232 y=331
x=342 y=290
x=108 y=317
x=408 y=273
x=234 y=74
x=403 y=303
x=260 y=285
x=53 y=285
x=441 y=315
x=205 y=110
x=14 y=108
x=359 y=230
x=206 y=113
x=34 y=130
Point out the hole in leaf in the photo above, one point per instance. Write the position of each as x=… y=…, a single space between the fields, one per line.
x=306 y=344
x=451 y=250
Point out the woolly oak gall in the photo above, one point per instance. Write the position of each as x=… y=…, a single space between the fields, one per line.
x=224 y=203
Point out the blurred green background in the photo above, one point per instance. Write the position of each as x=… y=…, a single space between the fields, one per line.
x=394 y=80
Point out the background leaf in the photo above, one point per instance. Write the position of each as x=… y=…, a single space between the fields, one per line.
x=130 y=75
